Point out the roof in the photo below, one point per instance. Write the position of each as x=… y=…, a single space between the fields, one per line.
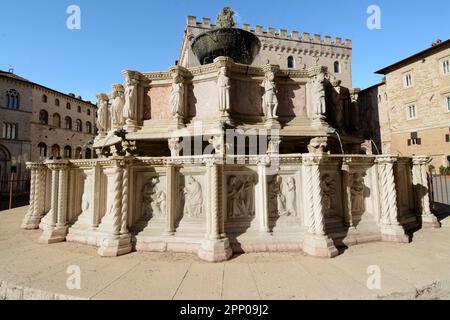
x=13 y=76
x=420 y=55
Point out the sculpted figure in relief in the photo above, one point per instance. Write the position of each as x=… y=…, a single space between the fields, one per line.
x=193 y=198
x=176 y=96
x=102 y=113
x=223 y=83
x=338 y=103
x=357 y=193
x=328 y=190
x=241 y=197
x=270 y=100
x=283 y=195
x=154 y=199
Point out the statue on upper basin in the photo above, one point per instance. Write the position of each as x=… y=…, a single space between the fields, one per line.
x=176 y=96
x=319 y=107
x=270 y=100
x=118 y=102
x=129 y=109
x=223 y=83
x=225 y=18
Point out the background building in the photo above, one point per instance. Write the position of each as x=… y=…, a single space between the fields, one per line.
x=37 y=122
x=413 y=104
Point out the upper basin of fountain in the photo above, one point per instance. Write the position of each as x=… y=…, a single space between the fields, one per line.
x=240 y=45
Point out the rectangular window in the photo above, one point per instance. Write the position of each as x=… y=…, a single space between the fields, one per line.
x=448 y=103
x=9 y=131
x=415 y=140
x=446 y=66
x=412 y=112
x=408 y=80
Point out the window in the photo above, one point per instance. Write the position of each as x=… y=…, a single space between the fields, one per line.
x=412 y=112
x=448 y=103
x=9 y=131
x=78 y=154
x=88 y=127
x=68 y=106
x=43 y=117
x=68 y=123
x=337 y=67
x=446 y=66
x=408 y=80
x=79 y=109
x=88 y=111
x=42 y=149
x=415 y=140
x=44 y=98
x=12 y=99
x=290 y=62
x=57 y=120
x=57 y=102
x=67 y=152
x=78 y=126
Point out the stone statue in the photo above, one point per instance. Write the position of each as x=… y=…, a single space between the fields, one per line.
x=129 y=110
x=289 y=189
x=318 y=96
x=223 y=82
x=328 y=190
x=248 y=196
x=117 y=104
x=338 y=104
x=225 y=18
x=283 y=195
x=270 y=100
x=234 y=203
x=102 y=113
x=357 y=193
x=318 y=145
x=193 y=198
x=175 y=147
x=177 y=96
x=153 y=199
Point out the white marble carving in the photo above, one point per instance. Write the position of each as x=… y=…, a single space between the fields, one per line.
x=193 y=198
x=241 y=196
x=318 y=96
x=282 y=196
x=153 y=199
x=328 y=186
x=357 y=194
x=223 y=82
x=117 y=104
x=177 y=96
x=270 y=100
x=102 y=113
x=129 y=110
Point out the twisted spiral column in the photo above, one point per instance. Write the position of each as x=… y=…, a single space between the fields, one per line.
x=388 y=192
x=54 y=197
x=426 y=210
x=62 y=197
x=39 y=193
x=117 y=212
x=317 y=200
x=215 y=212
x=125 y=190
x=31 y=209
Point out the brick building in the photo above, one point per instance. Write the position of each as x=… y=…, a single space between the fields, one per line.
x=413 y=105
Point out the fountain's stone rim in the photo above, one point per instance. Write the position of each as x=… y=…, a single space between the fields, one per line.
x=240 y=45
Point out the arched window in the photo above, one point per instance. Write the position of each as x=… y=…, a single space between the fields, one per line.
x=67 y=152
x=78 y=126
x=42 y=150
x=57 y=120
x=57 y=102
x=88 y=154
x=43 y=117
x=12 y=99
x=44 y=98
x=79 y=109
x=68 y=106
x=56 y=151
x=290 y=62
x=68 y=123
x=337 y=67
x=88 y=127
x=88 y=111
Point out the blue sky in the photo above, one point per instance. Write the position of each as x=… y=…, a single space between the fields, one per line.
x=146 y=35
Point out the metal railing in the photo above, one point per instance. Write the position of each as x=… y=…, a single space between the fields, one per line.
x=14 y=191
x=440 y=191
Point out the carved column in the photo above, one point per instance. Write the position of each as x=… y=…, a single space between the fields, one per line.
x=114 y=243
x=37 y=194
x=346 y=186
x=421 y=191
x=316 y=242
x=391 y=230
x=55 y=223
x=262 y=195
x=171 y=192
x=215 y=247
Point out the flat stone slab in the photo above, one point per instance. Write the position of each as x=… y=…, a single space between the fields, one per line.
x=30 y=270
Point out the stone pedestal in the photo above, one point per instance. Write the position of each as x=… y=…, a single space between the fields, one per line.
x=53 y=235
x=218 y=250
x=114 y=246
x=319 y=246
x=393 y=233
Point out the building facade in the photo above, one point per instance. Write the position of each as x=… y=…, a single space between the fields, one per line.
x=413 y=104
x=38 y=122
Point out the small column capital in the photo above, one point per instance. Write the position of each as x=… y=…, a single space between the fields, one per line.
x=312 y=159
x=386 y=160
x=421 y=160
x=57 y=164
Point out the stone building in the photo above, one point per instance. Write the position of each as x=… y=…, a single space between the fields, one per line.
x=38 y=122
x=413 y=105
x=288 y=50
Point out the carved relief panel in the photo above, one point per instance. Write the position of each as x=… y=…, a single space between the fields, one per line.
x=192 y=193
x=282 y=196
x=240 y=196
